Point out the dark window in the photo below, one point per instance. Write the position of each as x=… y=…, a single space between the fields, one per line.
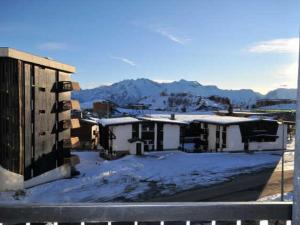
x=218 y=137
x=148 y=127
x=224 y=139
x=135 y=130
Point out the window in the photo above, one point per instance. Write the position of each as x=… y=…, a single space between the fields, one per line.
x=146 y=127
x=224 y=136
x=135 y=130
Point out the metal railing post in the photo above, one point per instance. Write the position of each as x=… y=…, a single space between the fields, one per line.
x=296 y=194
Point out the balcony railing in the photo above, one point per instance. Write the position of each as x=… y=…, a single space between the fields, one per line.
x=185 y=213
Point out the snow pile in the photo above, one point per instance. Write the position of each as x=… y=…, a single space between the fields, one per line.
x=144 y=177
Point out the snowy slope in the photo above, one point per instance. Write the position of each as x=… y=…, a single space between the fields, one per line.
x=143 y=177
x=282 y=93
x=134 y=91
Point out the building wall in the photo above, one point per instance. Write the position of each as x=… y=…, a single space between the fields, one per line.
x=122 y=133
x=234 y=139
x=30 y=135
x=171 y=137
x=10 y=181
x=280 y=142
x=103 y=109
x=132 y=149
x=212 y=137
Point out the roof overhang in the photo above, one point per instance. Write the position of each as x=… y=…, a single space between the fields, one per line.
x=24 y=56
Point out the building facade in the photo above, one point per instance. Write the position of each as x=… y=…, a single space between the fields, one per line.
x=127 y=135
x=35 y=122
x=212 y=133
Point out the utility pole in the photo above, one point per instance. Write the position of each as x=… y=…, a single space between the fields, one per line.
x=296 y=192
x=282 y=164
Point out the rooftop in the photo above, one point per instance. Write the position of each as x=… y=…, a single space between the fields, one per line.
x=89 y=121
x=43 y=61
x=117 y=121
x=186 y=118
x=243 y=113
x=162 y=119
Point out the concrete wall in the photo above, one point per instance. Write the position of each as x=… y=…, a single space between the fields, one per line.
x=122 y=133
x=61 y=172
x=10 y=181
x=171 y=138
x=234 y=139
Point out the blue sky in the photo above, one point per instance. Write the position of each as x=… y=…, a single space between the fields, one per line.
x=233 y=44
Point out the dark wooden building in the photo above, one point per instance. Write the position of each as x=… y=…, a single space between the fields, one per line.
x=35 y=104
x=104 y=108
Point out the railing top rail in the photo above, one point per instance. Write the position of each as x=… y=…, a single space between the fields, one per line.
x=118 y=212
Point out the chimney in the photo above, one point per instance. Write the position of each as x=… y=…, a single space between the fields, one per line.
x=172 y=116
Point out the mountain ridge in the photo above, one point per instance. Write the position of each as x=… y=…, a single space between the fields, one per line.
x=146 y=91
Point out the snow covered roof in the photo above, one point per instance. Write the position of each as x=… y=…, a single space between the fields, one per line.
x=243 y=112
x=214 y=119
x=162 y=119
x=117 y=121
x=89 y=121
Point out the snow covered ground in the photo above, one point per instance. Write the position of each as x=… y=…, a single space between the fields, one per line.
x=134 y=178
x=286 y=197
x=288 y=157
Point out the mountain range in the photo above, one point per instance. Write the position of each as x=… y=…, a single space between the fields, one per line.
x=178 y=94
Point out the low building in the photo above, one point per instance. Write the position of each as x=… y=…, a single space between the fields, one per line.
x=128 y=135
x=215 y=133
x=88 y=133
x=193 y=133
x=239 y=113
x=269 y=102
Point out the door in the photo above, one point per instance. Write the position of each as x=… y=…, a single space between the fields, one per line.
x=138 y=149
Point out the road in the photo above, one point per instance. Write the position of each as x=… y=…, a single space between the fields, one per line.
x=246 y=187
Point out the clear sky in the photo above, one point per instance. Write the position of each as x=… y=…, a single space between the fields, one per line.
x=233 y=44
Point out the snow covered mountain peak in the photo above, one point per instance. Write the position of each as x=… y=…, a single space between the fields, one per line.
x=159 y=95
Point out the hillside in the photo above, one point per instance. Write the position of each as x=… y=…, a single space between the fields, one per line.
x=282 y=93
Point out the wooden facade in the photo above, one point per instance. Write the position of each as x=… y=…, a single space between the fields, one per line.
x=31 y=96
